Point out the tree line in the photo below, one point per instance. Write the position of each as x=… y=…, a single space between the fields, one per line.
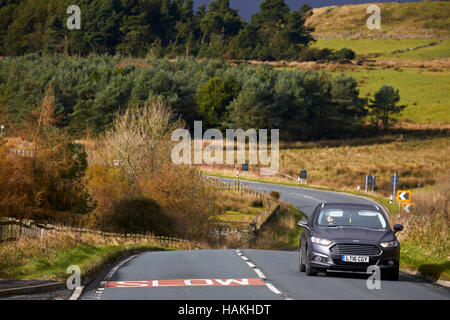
x=89 y=91
x=154 y=27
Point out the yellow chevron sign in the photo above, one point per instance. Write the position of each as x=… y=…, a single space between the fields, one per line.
x=404 y=195
x=408 y=207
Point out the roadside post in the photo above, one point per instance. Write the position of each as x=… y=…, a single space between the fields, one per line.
x=303 y=175
x=1 y=130
x=370 y=181
x=394 y=184
x=244 y=167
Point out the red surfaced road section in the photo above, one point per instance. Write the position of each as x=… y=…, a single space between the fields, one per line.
x=185 y=283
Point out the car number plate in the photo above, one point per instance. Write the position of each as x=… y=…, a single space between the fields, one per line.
x=355 y=259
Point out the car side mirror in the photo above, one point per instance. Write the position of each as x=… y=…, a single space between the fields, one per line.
x=303 y=224
x=398 y=227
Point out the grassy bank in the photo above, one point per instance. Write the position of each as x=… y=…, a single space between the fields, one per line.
x=399 y=20
x=281 y=231
x=237 y=208
x=42 y=260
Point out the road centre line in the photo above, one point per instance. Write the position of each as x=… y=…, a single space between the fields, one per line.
x=269 y=285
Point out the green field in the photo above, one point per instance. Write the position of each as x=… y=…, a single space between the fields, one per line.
x=385 y=47
x=426 y=93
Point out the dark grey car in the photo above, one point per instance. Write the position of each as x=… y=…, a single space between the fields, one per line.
x=349 y=237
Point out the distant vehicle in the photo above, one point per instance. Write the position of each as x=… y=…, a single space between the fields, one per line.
x=349 y=237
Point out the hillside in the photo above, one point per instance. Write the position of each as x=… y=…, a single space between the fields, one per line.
x=398 y=21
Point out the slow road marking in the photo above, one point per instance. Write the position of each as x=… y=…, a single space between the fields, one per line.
x=185 y=283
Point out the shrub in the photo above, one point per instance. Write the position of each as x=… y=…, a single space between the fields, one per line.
x=325 y=54
x=314 y=54
x=140 y=216
x=344 y=54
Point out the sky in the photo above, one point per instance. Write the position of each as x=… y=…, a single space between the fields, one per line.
x=249 y=7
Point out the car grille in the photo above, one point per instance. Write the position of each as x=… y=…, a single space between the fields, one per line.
x=356 y=249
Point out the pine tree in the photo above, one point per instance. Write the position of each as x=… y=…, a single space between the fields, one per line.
x=385 y=106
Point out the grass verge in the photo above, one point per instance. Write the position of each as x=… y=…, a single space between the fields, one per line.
x=52 y=264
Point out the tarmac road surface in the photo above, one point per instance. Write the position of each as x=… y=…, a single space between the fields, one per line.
x=248 y=274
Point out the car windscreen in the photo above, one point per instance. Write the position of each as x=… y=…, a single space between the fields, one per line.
x=351 y=218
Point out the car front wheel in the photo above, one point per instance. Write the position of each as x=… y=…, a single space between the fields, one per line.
x=309 y=270
x=301 y=265
x=391 y=274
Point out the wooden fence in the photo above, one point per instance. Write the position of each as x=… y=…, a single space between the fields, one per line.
x=235 y=185
x=12 y=229
x=23 y=153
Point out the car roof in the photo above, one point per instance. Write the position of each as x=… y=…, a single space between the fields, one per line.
x=346 y=205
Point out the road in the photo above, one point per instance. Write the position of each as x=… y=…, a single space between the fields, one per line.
x=248 y=274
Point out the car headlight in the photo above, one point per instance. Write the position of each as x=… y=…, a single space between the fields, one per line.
x=324 y=242
x=389 y=244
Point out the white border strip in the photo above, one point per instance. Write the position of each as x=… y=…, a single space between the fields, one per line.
x=76 y=293
x=272 y=288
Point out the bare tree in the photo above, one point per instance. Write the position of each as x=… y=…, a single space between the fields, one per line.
x=141 y=134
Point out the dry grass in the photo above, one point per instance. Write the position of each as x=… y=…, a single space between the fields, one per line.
x=398 y=20
x=308 y=65
x=417 y=162
x=425 y=237
x=429 y=227
x=344 y=163
x=237 y=208
x=433 y=65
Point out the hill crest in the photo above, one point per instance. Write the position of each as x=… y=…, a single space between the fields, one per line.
x=398 y=21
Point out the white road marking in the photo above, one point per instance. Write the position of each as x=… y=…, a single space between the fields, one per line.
x=113 y=270
x=98 y=293
x=272 y=288
x=259 y=273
